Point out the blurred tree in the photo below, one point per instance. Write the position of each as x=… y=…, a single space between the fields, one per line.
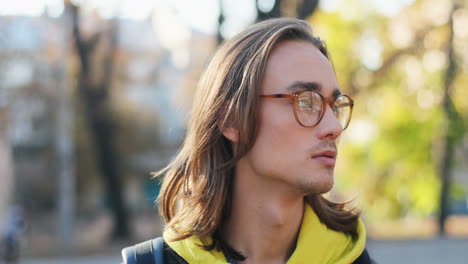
x=395 y=67
x=306 y=8
x=274 y=11
x=95 y=96
x=221 y=18
x=301 y=9
x=454 y=126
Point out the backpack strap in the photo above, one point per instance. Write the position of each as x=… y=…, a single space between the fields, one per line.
x=158 y=247
x=148 y=252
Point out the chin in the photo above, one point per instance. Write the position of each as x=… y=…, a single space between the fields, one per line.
x=316 y=187
x=311 y=190
x=327 y=187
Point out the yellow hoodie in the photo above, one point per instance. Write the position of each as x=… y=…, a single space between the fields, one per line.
x=316 y=244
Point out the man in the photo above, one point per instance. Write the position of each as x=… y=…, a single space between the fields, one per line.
x=260 y=150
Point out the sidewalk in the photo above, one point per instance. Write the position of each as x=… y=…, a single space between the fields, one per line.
x=434 y=251
x=77 y=260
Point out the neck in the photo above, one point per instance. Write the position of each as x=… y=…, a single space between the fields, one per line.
x=264 y=221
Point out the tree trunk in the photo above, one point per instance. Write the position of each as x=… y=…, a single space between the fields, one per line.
x=219 y=36
x=306 y=8
x=274 y=12
x=451 y=133
x=98 y=113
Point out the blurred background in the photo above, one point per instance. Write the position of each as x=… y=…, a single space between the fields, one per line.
x=94 y=96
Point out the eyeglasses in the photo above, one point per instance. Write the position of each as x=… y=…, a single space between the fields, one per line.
x=309 y=107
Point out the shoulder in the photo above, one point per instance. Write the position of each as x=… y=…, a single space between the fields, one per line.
x=364 y=258
x=171 y=257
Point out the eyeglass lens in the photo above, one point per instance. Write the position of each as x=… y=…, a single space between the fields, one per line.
x=309 y=107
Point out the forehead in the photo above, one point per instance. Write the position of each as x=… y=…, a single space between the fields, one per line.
x=294 y=61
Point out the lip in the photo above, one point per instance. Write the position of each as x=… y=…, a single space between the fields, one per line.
x=326 y=157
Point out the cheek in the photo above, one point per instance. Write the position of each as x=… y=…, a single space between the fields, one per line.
x=278 y=132
x=275 y=122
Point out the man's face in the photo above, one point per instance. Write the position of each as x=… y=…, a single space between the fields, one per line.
x=285 y=153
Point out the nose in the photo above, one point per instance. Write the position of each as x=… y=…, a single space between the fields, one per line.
x=329 y=127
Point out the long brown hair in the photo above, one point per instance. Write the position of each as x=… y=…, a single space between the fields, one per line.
x=195 y=198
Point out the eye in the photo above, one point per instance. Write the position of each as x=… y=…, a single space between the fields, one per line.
x=304 y=102
x=341 y=102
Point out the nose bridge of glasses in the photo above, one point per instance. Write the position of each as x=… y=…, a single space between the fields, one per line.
x=329 y=101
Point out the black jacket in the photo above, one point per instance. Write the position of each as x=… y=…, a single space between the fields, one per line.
x=171 y=257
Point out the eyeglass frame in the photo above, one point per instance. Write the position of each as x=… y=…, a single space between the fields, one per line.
x=325 y=101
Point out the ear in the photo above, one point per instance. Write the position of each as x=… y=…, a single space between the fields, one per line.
x=231 y=133
x=228 y=128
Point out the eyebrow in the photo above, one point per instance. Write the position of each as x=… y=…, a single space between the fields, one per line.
x=310 y=86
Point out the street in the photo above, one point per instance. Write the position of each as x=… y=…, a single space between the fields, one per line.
x=434 y=251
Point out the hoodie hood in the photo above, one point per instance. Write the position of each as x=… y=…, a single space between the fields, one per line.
x=316 y=244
